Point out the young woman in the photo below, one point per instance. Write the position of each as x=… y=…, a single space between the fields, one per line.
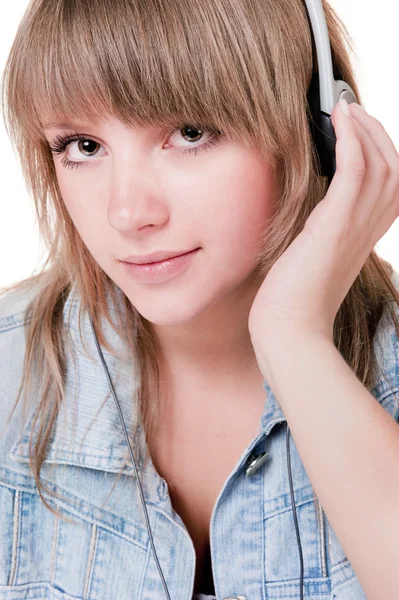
x=171 y=127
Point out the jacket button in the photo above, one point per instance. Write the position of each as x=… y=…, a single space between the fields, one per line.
x=255 y=463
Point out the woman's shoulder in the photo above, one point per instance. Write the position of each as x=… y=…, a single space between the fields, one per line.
x=14 y=302
x=13 y=305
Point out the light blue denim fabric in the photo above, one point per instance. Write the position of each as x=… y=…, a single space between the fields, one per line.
x=104 y=552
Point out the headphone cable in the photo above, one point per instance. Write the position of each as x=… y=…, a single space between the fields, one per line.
x=298 y=538
x=133 y=461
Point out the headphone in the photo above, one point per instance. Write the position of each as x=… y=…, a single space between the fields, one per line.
x=324 y=93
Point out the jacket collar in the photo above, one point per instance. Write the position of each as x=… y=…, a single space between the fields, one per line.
x=88 y=431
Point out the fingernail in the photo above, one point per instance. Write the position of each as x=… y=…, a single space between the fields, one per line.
x=361 y=107
x=344 y=107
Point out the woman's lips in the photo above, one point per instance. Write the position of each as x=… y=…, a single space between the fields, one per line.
x=159 y=272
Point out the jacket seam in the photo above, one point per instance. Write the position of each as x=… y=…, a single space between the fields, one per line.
x=15 y=537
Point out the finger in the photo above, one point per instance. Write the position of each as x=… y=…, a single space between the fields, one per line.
x=350 y=167
x=375 y=182
x=379 y=135
x=380 y=209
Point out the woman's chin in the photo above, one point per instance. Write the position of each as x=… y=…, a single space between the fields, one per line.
x=169 y=316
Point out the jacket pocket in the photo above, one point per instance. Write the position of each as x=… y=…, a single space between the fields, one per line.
x=282 y=561
x=94 y=554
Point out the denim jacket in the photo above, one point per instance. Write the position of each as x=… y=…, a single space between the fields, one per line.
x=103 y=551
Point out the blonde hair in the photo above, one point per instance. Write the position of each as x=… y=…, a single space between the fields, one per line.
x=241 y=67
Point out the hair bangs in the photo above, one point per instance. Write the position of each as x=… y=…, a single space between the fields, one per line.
x=161 y=62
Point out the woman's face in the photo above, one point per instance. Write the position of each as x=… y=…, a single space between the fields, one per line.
x=135 y=192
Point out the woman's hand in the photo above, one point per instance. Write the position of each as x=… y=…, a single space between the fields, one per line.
x=308 y=283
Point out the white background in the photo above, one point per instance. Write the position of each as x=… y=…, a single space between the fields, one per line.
x=373 y=28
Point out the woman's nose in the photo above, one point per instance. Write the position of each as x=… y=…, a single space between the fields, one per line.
x=136 y=199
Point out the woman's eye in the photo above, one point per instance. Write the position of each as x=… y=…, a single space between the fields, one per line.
x=83 y=147
x=77 y=147
x=193 y=134
x=188 y=134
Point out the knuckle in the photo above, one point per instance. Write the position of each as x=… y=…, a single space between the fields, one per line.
x=383 y=169
x=358 y=168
